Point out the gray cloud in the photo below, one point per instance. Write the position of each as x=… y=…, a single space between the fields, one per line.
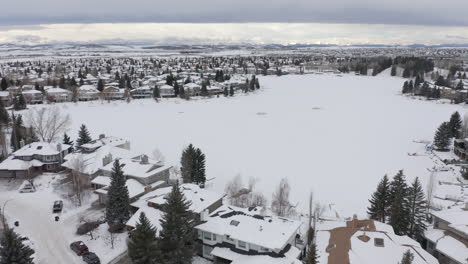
x=415 y=12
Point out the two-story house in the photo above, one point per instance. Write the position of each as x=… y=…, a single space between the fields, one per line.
x=33 y=159
x=447 y=239
x=233 y=235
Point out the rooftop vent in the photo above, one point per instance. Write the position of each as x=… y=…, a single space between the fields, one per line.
x=234 y=223
x=379 y=242
x=39 y=147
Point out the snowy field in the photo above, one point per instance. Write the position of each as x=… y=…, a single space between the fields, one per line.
x=334 y=135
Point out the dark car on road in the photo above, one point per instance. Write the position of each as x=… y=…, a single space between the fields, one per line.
x=91 y=258
x=79 y=248
x=58 y=206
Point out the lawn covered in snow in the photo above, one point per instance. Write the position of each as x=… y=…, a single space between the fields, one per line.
x=334 y=135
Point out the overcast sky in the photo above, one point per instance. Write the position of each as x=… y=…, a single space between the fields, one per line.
x=341 y=21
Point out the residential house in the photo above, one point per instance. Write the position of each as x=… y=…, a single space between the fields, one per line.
x=142 y=92
x=202 y=201
x=192 y=89
x=33 y=159
x=58 y=95
x=33 y=96
x=88 y=93
x=237 y=235
x=365 y=241
x=6 y=98
x=447 y=239
x=166 y=91
x=113 y=93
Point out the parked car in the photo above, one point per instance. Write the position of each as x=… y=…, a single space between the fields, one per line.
x=58 y=206
x=79 y=248
x=91 y=258
x=27 y=188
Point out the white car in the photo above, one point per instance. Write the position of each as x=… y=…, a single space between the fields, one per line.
x=27 y=188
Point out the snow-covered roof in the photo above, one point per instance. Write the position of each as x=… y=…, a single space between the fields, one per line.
x=101 y=180
x=237 y=258
x=134 y=188
x=40 y=148
x=269 y=232
x=366 y=241
x=31 y=92
x=200 y=200
x=94 y=161
x=456 y=217
x=135 y=168
x=191 y=85
x=88 y=88
x=57 y=90
x=453 y=248
x=166 y=87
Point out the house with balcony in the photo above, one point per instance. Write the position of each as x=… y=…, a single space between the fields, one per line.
x=142 y=92
x=238 y=235
x=58 y=95
x=34 y=159
x=113 y=93
x=447 y=238
x=166 y=91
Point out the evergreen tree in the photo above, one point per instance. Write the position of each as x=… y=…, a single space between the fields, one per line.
x=142 y=244
x=406 y=73
x=398 y=209
x=226 y=92
x=19 y=103
x=4 y=116
x=199 y=168
x=204 y=89
x=407 y=258
x=118 y=201
x=100 y=85
x=455 y=124
x=440 y=81
x=442 y=137
x=312 y=257
x=380 y=201
x=176 y=89
x=460 y=86
x=83 y=136
x=12 y=249
x=187 y=164
x=231 y=91
x=156 y=93
x=17 y=131
x=177 y=236
x=67 y=140
x=405 y=87
x=416 y=209
x=393 y=71
x=4 y=84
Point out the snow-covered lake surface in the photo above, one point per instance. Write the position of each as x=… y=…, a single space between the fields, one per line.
x=334 y=135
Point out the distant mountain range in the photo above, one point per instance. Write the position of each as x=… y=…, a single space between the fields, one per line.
x=148 y=45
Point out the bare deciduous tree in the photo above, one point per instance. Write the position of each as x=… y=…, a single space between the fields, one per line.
x=48 y=122
x=241 y=196
x=158 y=156
x=280 y=203
x=79 y=178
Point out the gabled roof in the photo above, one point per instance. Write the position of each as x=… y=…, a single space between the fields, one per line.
x=40 y=148
x=249 y=226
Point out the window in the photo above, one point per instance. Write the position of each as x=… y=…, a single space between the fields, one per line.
x=228 y=238
x=234 y=223
x=264 y=249
x=214 y=237
x=207 y=235
x=379 y=242
x=207 y=251
x=241 y=244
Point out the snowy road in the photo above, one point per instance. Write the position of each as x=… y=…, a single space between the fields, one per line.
x=33 y=211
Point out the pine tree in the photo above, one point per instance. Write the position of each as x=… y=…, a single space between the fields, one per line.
x=177 y=236
x=67 y=140
x=19 y=103
x=380 y=201
x=442 y=137
x=405 y=87
x=118 y=201
x=187 y=164
x=143 y=245
x=312 y=257
x=406 y=73
x=460 y=85
x=225 y=92
x=398 y=210
x=100 y=85
x=393 y=71
x=156 y=93
x=231 y=91
x=416 y=208
x=455 y=124
x=4 y=116
x=4 y=84
x=17 y=131
x=407 y=258
x=83 y=136
x=12 y=249
x=176 y=89
x=199 y=168
x=204 y=89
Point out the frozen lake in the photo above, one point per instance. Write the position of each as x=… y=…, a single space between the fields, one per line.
x=334 y=135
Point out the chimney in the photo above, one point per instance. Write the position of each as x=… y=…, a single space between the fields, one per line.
x=59 y=147
x=107 y=159
x=101 y=136
x=21 y=143
x=144 y=159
